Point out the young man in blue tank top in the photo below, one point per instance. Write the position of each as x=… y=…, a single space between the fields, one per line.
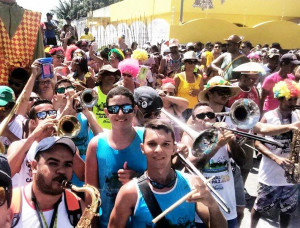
x=167 y=186
x=114 y=157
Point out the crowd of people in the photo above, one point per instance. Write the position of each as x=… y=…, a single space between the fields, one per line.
x=123 y=142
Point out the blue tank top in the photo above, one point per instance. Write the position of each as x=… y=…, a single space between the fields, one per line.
x=109 y=162
x=182 y=216
x=81 y=141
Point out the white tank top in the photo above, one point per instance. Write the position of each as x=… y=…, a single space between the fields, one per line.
x=29 y=218
x=220 y=167
x=270 y=173
x=23 y=177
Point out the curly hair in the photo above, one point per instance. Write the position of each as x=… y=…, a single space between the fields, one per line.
x=140 y=54
x=129 y=66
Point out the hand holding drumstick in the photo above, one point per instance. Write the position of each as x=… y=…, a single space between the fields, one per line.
x=192 y=196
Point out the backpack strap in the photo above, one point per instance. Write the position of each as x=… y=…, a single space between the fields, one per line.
x=73 y=207
x=151 y=202
x=16 y=206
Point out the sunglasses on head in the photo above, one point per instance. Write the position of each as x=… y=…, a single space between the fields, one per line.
x=3 y=195
x=189 y=61
x=63 y=89
x=43 y=114
x=114 y=109
x=17 y=84
x=210 y=115
x=151 y=114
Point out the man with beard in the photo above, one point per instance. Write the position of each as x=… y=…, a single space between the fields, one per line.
x=44 y=203
x=273 y=187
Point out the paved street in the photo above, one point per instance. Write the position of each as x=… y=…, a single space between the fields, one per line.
x=271 y=219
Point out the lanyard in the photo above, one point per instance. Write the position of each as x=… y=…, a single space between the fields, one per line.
x=41 y=216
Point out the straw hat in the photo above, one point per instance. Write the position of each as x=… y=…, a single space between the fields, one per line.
x=218 y=82
x=250 y=68
x=190 y=55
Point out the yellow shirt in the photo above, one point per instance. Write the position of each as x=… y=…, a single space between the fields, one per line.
x=88 y=36
x=185 y=87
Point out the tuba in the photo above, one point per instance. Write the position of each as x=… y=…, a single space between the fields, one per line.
x=92 y=210
x=293 y=174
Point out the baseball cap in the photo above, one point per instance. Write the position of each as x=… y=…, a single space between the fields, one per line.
x=47 y=143
x=173 y=43
x=6 y=95
x=5 y=176
x=147 y=99
x=290 y=58
x=273 y=52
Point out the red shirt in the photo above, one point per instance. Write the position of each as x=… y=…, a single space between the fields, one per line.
x=252 y=94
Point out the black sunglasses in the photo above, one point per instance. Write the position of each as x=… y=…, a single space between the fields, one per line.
x=221 y=92
x=3 y=195
x=17 y=84
x=114 y=109
x=63 y=89
x=43 y=114
x=34 y=98
x=189 y=61
x=210 y=115
x=151 y=114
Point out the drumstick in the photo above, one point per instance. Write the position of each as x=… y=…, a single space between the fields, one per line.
x=178 y=202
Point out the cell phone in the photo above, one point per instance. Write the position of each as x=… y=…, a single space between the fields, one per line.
x=143 y=72
x=46 y=68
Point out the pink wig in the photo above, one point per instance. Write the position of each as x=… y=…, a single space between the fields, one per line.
x=69 y=52
x=129 y=66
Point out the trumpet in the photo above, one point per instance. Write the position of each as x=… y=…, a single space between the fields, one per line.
x=88 y=98
x=68 y=126
x=91 y=211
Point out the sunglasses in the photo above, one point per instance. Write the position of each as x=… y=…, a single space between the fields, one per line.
x=191 y=61
x=210 y=115
x=43 y=114
x=47 y=82
x=17 y=84
x=7 y=107
x=3 y=195
x=151 y=114
x=62 y=90
x=60 y=57
x=114 y=109
x=221 y=92
x=34 y=98
x=217 y=47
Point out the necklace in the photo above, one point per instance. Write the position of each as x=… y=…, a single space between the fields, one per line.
x=161 y=186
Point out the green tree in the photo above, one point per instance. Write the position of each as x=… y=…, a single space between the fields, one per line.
x=79 y=8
